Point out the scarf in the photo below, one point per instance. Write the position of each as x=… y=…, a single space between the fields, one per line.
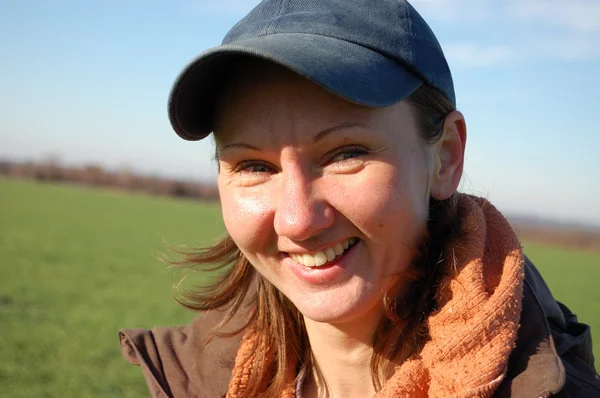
x=473 y=329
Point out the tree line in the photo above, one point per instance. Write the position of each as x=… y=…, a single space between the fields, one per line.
x=52 y=170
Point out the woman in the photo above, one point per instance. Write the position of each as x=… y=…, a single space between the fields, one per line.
x=352 y=267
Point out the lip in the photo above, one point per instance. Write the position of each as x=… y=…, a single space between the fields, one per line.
x=336 y=270
x=315 y=250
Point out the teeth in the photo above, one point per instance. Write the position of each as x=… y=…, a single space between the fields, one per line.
x=338 y=249
x=308 y=260
x=330 y=254
x=320 y=258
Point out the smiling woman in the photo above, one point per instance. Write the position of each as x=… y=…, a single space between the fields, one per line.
x=352 y=266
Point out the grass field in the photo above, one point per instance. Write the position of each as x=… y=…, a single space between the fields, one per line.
x=77 y=265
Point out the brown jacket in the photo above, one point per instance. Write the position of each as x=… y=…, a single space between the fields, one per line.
x=553 y=354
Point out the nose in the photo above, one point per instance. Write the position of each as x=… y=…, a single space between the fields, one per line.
x=302 y=211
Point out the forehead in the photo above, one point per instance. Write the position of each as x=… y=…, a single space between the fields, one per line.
x=262 y=101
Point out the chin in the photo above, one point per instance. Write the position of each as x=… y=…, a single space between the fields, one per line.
x=335 y=307
x=325 y=315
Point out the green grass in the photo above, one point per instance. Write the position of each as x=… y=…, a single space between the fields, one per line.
x=78 y=264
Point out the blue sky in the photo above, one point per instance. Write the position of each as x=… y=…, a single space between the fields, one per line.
x=88 y=81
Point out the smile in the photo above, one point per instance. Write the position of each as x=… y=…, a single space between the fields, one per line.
x=323 y=257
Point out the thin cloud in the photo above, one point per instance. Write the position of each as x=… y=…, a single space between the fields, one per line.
x=464 y=55
x=222 y=7
x=570 y=47
x=575 y=27
x=455 y=10
x=581 y=15
x=560 y=29
x=578 y=15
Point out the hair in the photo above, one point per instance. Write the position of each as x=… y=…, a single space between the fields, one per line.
x=236 y=286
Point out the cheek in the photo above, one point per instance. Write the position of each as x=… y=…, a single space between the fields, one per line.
x=390 y=207
x=247 y=218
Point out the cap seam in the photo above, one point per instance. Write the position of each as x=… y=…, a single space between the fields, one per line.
x=272 y=26
x=412 y=32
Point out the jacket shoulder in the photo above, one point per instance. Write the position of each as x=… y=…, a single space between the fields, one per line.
x=176 y=362
x=553 y=353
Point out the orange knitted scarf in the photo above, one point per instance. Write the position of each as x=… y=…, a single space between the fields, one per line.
x=473 y=330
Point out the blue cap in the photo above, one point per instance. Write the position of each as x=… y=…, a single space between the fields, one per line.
x=373 y=53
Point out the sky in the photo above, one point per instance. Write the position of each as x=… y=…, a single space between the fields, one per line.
x=87 y=82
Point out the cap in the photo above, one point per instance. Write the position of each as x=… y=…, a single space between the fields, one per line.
x=373 y=53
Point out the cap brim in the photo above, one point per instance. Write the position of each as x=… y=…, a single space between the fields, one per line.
x=353 y=72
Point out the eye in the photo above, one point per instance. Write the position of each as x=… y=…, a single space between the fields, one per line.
x=347 y=153
x=254 y=167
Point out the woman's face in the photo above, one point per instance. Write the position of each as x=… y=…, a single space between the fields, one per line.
x=306 y=177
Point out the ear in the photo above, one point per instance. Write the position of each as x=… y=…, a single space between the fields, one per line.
x=449 y=156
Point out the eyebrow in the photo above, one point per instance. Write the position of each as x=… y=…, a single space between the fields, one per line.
x=320 y=135
x=345 y=125
x=240 y=145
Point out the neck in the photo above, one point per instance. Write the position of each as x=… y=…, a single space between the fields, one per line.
x=342 y=356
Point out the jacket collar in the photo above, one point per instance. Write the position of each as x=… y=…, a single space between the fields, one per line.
x=534 y=368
